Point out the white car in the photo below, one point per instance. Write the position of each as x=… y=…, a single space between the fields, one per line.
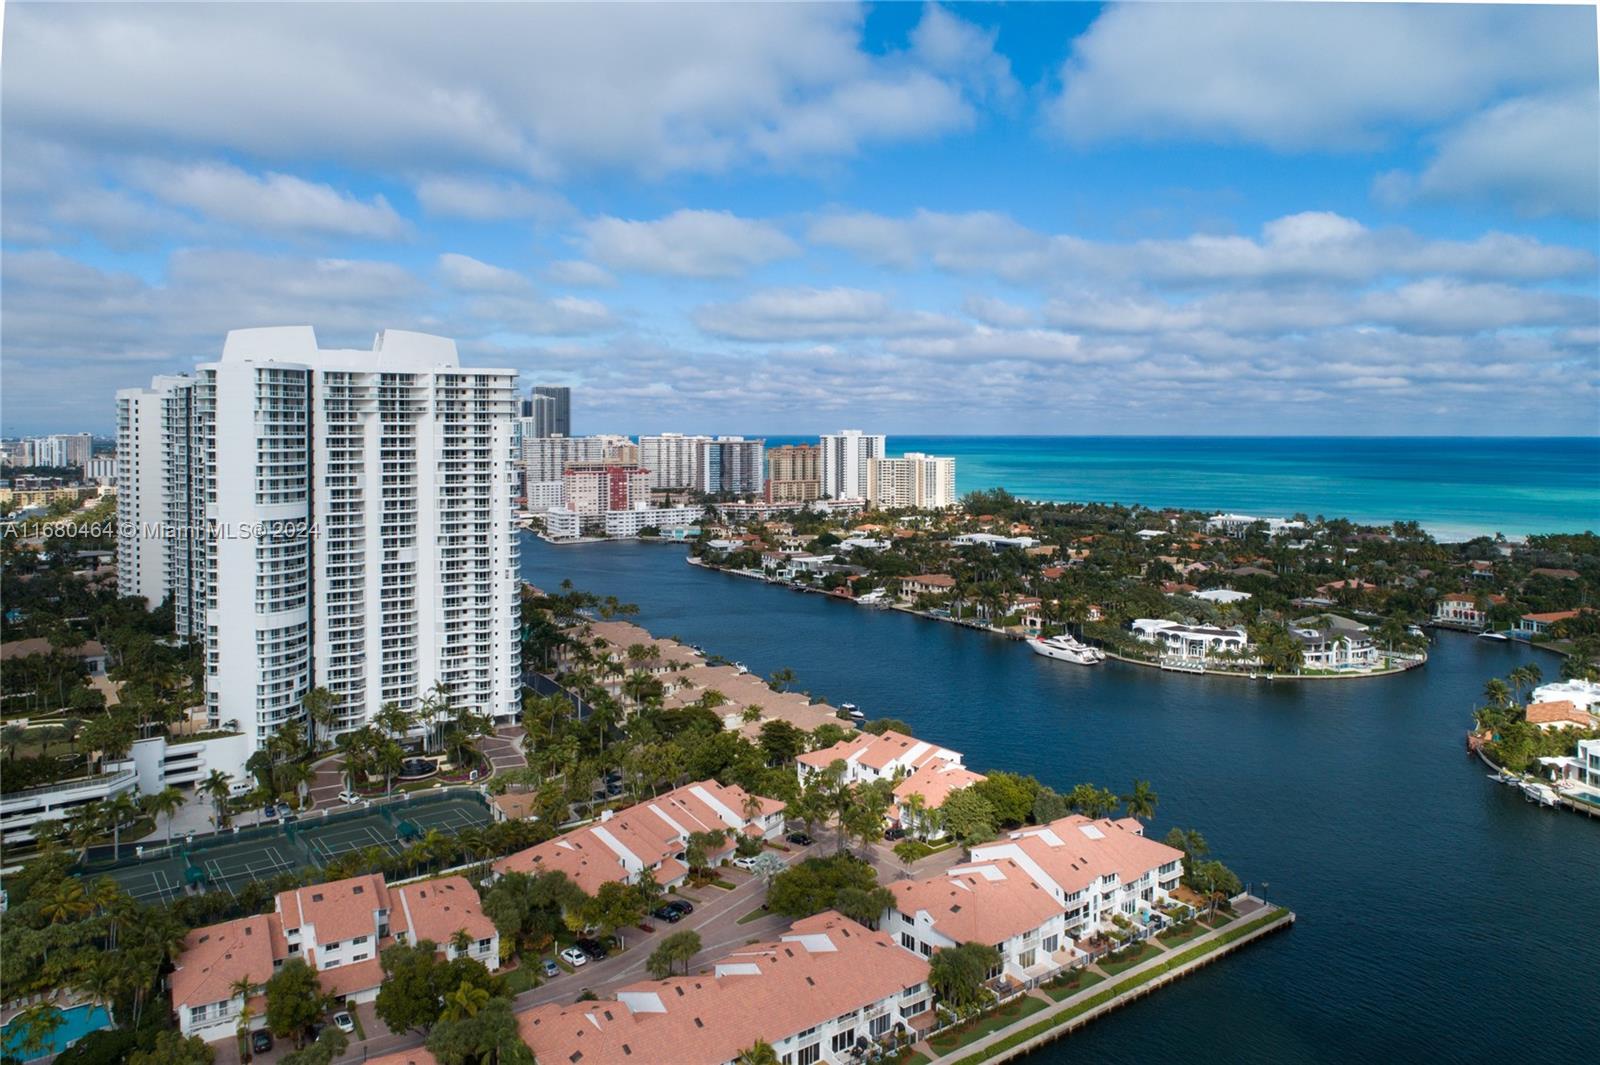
x=344 y=1022
x=349 y=798
x=574 y=957
x=746 y=864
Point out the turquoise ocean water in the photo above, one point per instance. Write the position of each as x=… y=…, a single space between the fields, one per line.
x=1456 y=487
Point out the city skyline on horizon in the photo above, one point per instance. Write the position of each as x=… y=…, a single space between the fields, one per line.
x=919 y=220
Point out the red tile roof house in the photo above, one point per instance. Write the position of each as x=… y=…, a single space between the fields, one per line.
x=998 y=903
x=927 y=584
x=1094 y=869
x=1539 y=624
x=339 y=929
x=651 y=835
x=816 y=994
x=868 y=757
x=933 y=781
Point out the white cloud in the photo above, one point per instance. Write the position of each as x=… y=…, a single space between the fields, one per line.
x=578 y=273
x=1539 y=154
x=278 y=203
x=466 y=274
x=953 y=46
x=562 y=316
x=817 y=314
x=540 y=89
x=488 y=199
x=1309 y=246
x=988 y=345
x=1308 y=75
x=991 y=310
x=686 y=243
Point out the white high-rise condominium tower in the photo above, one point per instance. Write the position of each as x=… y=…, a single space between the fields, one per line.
x=675 y=461
x=731 y=466
x=158 y=555
x=926 y=482
x=358 y=528
x=845 y=455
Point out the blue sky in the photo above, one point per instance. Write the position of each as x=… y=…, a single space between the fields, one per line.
x=1036 y=218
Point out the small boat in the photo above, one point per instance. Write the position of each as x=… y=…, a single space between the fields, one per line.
x=1065 y=649
x=1492 y=636
x=1539 y=793
x=853 y=710
x=741 y=667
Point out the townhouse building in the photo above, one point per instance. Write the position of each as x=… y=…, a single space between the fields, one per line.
x=869 y=757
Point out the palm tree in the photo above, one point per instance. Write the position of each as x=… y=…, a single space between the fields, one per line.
x=216 y=786
x=165 y=803
x=10 y=737
x=38 y=1025
x=1497 y=692
x=758 y=1053
x=69 y=900
x=322 y=713
x=297 y=777
x=913 y=812
x=121 y=808
x=84 y=826
x=465 y=1001
x=461 y=941
x=1141 y=801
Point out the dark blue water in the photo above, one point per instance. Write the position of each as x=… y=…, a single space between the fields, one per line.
x=1442 y=918
x=1457 y=487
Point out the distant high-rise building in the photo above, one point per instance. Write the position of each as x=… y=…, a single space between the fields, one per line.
x=591 y=489
x=159 y=553
x=675 y=461
x=794 y=473
x=61 y=449
x=845 y=455
x=550 y=407
x=545 y=457
x=355 y=518
x=926 y=482
x=730 y=466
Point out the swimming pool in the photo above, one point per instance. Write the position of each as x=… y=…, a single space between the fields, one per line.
x=76 y=1022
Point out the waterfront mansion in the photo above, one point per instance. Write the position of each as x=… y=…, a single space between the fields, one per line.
x=1194 y=643
x=338 y=928
x=652 y=836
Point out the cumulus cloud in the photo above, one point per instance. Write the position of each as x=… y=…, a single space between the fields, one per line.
x=816 y=314
x=1540 y=154
x=578 y=273
x=540 y=89
x=686 y=243
x=1297 y=76
x=482 y=199
x=1312 y=245
x=466 y=274
x=277 y=203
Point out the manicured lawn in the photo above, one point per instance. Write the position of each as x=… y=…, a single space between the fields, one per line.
x=725 y=885
x=1010 y=1013
x=1173 y=936
x=521 y=978
x=1127 y=961
x=754 y=915
x=1081 y=979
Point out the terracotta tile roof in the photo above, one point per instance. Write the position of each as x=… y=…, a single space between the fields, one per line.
x=653 y=832
x=983 y=902
x=352 y=979
x=1559 y=712
x=1075 y=851
x=340 y=910
x=437 y=909
x=878 y=752
x=824 y=966
x=934 y=781
x=932 y=580
x=215 y=956
x=1552 y=616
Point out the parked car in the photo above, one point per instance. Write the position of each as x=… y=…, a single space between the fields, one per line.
x=594 y=948
x=349 y=798
x=670 y=914
x=344 y=1022
x=260 y=1041
x=799 y=839
x=269 y=813
x=683 y=906
x=746 y=863
x=574 y=957
x=893 y=834
x=551 y=969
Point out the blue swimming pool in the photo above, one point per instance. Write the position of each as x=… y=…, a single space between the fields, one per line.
x=76 y=1022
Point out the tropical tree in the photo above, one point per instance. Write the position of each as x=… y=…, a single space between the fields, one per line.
x=758 y=1053
x=678 y=948
x=1141 y=801
x=165 y=804
x=217 y=787
x=294 y=1000
x=466 y=1001
x=34 y=1030
x=957 y=974
x=322 y=713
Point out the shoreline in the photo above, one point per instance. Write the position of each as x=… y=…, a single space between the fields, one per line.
x=1587 y=809
x=1020 y=637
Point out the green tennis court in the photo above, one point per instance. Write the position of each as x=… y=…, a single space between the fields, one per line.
x=234 y=865
x=157 y=881
x=327 y=842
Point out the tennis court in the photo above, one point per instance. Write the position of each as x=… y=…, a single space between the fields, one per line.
x=234 y=865
x=156 y=881
x=327 y=842
x=449 y=817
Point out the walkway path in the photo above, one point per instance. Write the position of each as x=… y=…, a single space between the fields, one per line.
x=1249 y=908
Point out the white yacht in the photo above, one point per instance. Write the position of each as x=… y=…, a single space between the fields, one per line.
x=1066 y=649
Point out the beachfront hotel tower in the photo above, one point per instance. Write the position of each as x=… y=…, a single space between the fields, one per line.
x=356 y=511
x=845 y=458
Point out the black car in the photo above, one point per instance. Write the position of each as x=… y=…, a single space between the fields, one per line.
x=260 y=1041
x=683 y=906
x=594 y=948
x=800 y=839
x=894 y=833
x=669 y=914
